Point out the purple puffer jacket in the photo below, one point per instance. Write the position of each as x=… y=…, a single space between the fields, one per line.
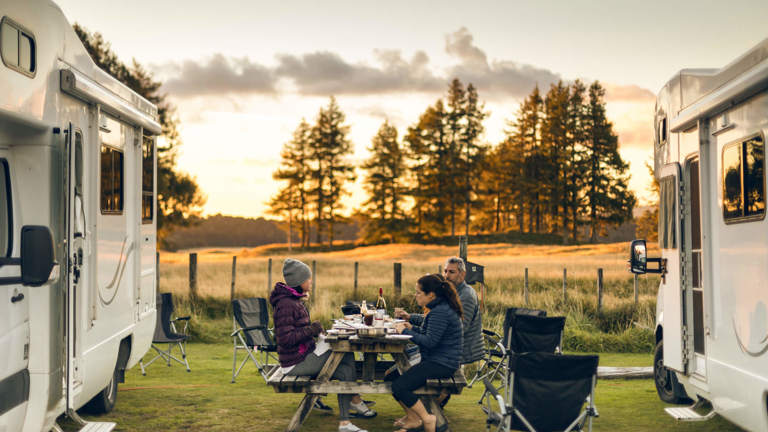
x=292 y=331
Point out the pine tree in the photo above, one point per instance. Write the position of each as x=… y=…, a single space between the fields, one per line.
x=329 y=150
x=574 y=159
x=386 y=168
x=554 y=142
x=608 y=198
x=473 y=151
x=294 y=168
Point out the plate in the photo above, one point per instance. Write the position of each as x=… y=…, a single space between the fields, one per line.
x=398 y=336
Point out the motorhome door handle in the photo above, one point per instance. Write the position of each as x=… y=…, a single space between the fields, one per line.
x=17 y=298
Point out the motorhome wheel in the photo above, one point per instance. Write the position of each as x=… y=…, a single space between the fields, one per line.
x=105 y=400
x=669 y=389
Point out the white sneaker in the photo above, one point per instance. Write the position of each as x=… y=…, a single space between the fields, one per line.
x=349 y=427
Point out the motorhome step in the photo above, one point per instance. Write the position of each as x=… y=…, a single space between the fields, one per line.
x=98 y=427
x=607 y=372
x=688 y=414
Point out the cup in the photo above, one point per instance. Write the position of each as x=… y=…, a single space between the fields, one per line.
x=380 y=313
x=368 y=319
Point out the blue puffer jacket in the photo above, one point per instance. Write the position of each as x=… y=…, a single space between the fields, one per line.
x=440 y=336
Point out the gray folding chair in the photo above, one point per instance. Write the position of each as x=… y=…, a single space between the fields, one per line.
x=166 y=333
x=253 y=335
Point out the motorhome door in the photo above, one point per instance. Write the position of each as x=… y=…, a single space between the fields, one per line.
x=76 y=233
x=14 y=315
x=670 y=243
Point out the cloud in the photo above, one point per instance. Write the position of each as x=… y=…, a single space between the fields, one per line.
x=324 y=73
x=628 y=93
x=219 y=75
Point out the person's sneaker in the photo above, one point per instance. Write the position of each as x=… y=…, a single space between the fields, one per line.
x=321 y=406
x=361 y=411
x=349 y=427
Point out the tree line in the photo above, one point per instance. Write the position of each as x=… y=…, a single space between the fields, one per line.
x=557 y=170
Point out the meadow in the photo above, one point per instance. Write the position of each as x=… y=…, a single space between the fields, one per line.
x=619 y=326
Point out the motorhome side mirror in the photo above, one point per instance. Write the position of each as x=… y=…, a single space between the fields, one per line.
x=638 y=257
x=36 y=255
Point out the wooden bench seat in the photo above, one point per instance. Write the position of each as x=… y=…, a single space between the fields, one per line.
x=304 y=384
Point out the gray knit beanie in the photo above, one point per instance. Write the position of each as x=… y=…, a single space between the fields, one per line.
x=295 y=272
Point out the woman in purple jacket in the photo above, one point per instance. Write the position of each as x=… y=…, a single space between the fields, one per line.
x=296 y=348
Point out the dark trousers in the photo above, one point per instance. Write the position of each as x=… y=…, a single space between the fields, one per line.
x=415 y=377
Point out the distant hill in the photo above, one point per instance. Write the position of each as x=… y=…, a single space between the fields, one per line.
x=233 y=231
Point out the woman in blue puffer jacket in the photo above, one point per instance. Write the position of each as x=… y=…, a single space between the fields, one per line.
x=439 y=339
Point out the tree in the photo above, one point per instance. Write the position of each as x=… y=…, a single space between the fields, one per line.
x=554 y=142
x=331 y=171
x=179 y=198
x=648 y=222
x=472 y=150
x=608 y=198
x=294 y=169
x=386 y=167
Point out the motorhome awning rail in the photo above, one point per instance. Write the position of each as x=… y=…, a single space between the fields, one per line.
x=739 y=89
x=82 y=87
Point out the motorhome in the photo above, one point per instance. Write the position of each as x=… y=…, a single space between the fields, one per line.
x=712 y=309
x=77 y=223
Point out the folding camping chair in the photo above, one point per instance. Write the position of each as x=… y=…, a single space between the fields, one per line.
x=496 y=345
x=251 y=329
x=547 y=392
x=526 y=333
x=165 y=332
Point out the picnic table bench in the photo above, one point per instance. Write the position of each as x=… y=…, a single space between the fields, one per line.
x=371 y=371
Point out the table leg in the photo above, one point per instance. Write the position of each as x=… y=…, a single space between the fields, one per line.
x=369 y=366
x=302 y=412
x=434 y=409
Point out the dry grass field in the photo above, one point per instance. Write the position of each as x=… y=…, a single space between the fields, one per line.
x=504 y=276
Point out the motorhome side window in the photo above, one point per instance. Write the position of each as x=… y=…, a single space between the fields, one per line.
x=111 y=180
x=147 y=178
x=667 y=198
x=18 y=48
x=743 y=180
x=5 y=210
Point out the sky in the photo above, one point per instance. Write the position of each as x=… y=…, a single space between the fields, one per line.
x=243 y=74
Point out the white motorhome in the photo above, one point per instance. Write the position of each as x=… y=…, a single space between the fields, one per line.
x=712 y=310
x=77 y=185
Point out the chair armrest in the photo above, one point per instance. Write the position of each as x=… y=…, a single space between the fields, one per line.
x=245 y=329
x=491 y=333
x=185 y=318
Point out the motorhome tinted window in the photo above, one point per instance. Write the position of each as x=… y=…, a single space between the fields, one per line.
x=17 y=47
x=147 y=178
x=111 y=180
x=5 y=210
x=667 y=196
x=743 y=180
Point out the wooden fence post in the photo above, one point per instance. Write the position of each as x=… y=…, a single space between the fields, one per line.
x=234 y=272
x=637 y=289
x=354 y=295
x=463 y=248
x=192 y=280
x=599 y=289
x=525 y=287
x=398 y=279
x=565 y=284
x=314 y=279
x=439 y=269
x=269 y=274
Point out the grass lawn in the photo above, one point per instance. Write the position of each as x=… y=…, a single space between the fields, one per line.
x=170 y=399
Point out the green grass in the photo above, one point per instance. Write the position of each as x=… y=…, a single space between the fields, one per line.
x=170 y=399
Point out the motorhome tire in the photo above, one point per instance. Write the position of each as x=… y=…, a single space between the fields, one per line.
x=667 y=386
x=105 y=400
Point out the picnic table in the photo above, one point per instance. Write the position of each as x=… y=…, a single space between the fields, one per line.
x=372 y=369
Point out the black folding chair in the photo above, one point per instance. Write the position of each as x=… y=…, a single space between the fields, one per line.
x=548 y=392
x=496 y=345
x=527 y=333
x=253 y=335
x=166 y=333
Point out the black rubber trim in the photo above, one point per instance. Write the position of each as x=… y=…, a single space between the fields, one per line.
x=14 y=391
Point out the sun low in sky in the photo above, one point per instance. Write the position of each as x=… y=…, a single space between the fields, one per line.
x=244 y=73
